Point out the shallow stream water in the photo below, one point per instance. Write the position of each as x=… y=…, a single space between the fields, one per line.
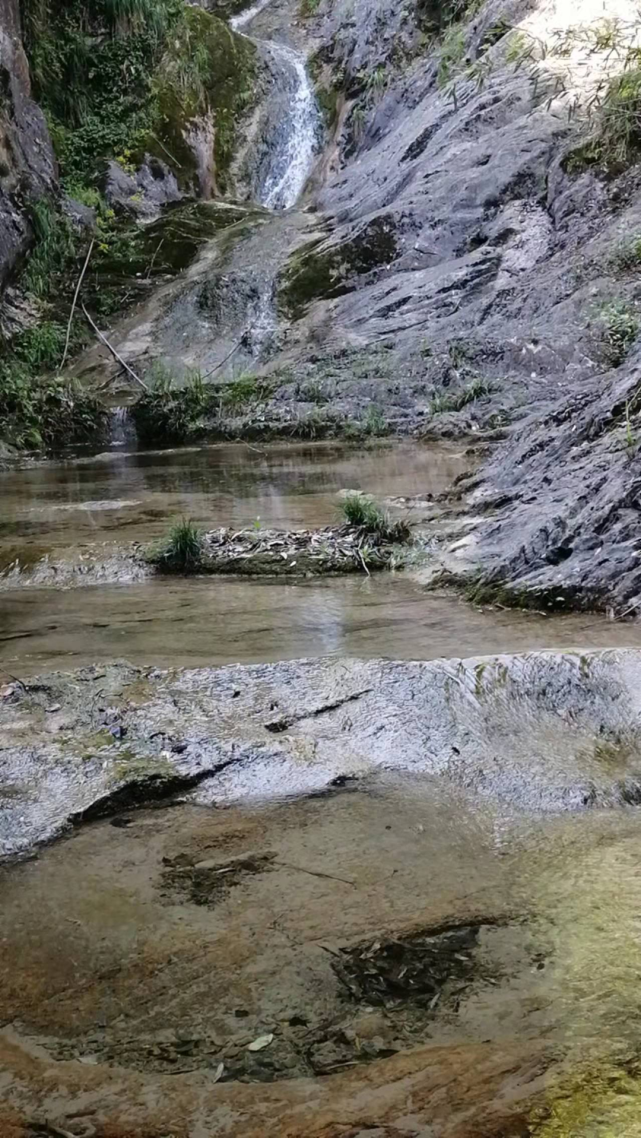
x=130 y=495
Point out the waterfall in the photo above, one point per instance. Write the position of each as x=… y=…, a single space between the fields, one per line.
x=292 y=162
x=298 y=134
x=122 y=427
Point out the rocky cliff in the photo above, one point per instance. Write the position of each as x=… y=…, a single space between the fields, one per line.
x=27 y=163
x=464 y=263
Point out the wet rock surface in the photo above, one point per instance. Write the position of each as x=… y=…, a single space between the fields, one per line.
x=396 y=939
x=89 y=744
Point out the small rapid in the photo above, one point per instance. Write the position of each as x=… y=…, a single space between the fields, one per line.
x=297 y=136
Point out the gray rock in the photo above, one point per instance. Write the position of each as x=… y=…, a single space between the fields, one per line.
x=82 y=217
x=535 y=733
x=144 y=193
x=27 y=164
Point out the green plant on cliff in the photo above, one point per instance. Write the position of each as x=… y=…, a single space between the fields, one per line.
x=627 y=254
x=121 y=78
x=619 y=325
x=446 y=401
x=50 y=412
x=451 y=54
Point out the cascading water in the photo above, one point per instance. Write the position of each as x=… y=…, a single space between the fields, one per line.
x=297 y=137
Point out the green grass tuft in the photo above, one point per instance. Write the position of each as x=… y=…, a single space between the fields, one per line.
x=619 y=330
x=182 y=552
x=457 y=400
x=169 y=413
x=362 y=512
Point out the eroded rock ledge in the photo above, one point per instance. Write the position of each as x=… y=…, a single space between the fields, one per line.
x=545 y=731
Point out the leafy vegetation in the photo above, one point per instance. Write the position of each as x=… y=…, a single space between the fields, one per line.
x=457 y=400
x=619 y=329
x=182 y=552
x=451 y=54
x=364 y=513
x=375 y=424
x=119 y=78
x=171 y=413
x=46 y=412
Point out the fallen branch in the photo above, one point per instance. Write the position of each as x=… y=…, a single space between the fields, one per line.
x=75 y=301
x=113 y=351
x=227 y=357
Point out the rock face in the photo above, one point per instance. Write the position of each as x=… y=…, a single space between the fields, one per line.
x=27 y=163
x=143 y=194
x=541 y=732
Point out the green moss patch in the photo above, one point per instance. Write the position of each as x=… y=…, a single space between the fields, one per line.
x=205 y=78
x=314 y=272
x=119 y=78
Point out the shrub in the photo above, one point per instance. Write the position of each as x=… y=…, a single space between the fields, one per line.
x=619 y=330
x=50 y=412
x=168 y=413
x=182 y=552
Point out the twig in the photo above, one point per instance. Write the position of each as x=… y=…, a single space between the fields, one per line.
x=48 y=1128
x=113 y=351
x=167 y=152
x=153 y=259
x=224 y=361
x=363 y=562
x=315 y=873
x=75 y=301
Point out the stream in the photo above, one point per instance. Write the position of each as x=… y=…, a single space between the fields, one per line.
x=124 y=495
x=397 y=892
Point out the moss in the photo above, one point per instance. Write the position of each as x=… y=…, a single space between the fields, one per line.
x=313 y=273
x=600 y=1104
x=139 y=88
x=328 y=98
x=206 y=70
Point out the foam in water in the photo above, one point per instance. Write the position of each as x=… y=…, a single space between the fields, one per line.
x=291 y=166
x=293 y=159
